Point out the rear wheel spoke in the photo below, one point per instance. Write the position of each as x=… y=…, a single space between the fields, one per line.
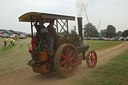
x=62 y=62
x=64 y=67
x=74 y=64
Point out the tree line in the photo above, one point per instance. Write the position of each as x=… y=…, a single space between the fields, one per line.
x=109 y=32
x=90 y=31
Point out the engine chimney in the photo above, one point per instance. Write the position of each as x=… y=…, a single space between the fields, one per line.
x=79 y=19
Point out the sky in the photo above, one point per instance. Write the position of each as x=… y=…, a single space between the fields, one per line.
x=111 y=12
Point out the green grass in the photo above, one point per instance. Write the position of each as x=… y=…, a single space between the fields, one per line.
x=13 y=58
x=115 y=72
x=98 y=45
x=7 y=48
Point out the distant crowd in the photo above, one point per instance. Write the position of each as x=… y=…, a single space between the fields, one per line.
x=7 y=41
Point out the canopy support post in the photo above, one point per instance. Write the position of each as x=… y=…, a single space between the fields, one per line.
x=31 y=26
x=67 y=26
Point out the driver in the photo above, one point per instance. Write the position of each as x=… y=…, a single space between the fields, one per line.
x=51 y=35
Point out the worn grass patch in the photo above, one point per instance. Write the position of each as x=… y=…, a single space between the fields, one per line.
x=22 y=45
x=115 y=72
x=98 y=45
x=28 y=45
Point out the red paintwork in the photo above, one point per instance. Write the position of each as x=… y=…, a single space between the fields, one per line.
x=33 y=41
x=92 y=59
x=68 y=61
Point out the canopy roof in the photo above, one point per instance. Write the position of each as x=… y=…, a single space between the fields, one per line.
x=36 y=16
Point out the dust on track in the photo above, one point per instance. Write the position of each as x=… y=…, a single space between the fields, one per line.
x=27 y=77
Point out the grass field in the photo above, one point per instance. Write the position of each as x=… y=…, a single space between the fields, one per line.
x=98 y=45
x=115 y=72
x=14 y=58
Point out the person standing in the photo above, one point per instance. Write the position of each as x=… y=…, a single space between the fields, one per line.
x=51 y=35
x=13 y=42
x=27 y=35
x=5 y=42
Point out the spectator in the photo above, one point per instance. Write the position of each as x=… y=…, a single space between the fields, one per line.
x=5 y=42
x=13 y=42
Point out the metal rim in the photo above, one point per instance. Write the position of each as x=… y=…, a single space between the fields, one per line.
x=91 y=59
x=66 y=60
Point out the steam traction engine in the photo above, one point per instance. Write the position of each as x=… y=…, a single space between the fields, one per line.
x=69 y=51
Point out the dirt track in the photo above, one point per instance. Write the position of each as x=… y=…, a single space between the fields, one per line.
x=28 y=77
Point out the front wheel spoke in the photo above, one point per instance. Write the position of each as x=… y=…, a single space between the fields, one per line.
x=93 y=64
x=94 y=61
x=90 y=59
x=90 y=62
x=90 y=54
x=93 y=58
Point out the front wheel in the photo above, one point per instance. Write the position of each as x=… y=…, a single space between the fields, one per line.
x=91 y=59
x=66 y=60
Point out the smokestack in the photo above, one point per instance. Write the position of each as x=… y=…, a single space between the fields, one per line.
x=79 y=19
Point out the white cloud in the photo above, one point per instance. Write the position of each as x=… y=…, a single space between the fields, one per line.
x=109 y=11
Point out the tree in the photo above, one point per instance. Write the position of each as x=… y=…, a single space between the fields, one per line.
x=90 y=31
x=110 y=31
x=119 y=33
x=73 y=32
x=63 y=33
x=125 y=33
x=103 y=33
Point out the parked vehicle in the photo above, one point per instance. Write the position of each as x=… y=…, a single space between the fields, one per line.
x=107 y=39
x=127 y=38
x=1 y=35
x=5 y=35
x=22 y=36
x=101 y=38
x=121 y=38
x=12 y=36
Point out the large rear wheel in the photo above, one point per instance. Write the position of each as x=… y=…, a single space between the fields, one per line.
x=66 y=60
x=91 y=59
